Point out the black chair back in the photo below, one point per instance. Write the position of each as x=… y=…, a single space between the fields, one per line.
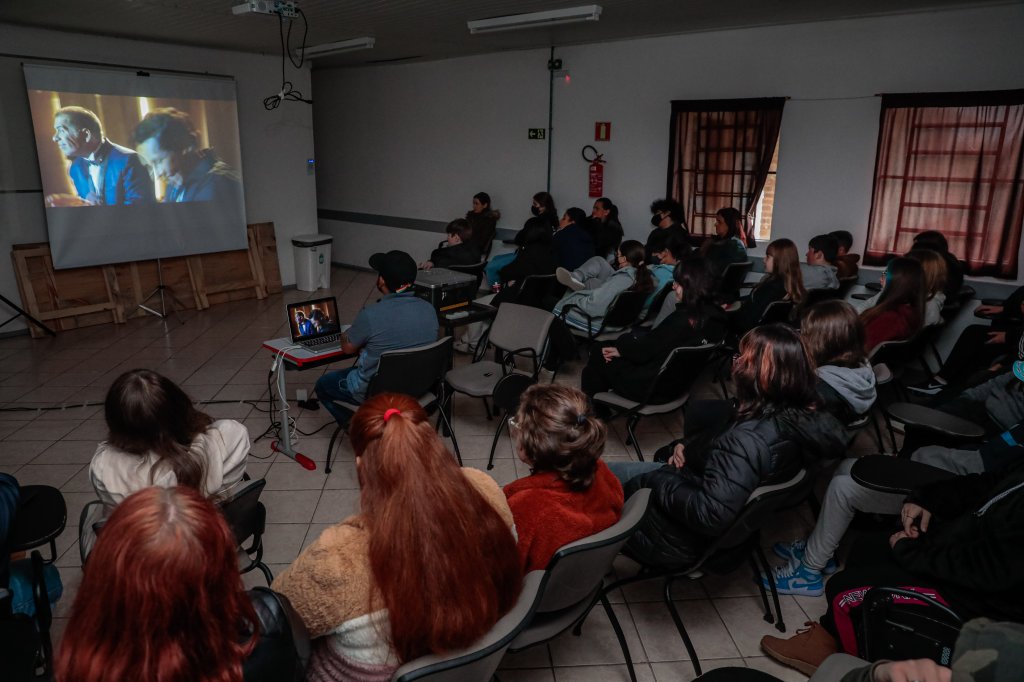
x=760 y=509
x=845 y=285
x=777 y=311
x=413 y=371
x=624 y=310
x=657 y=303
x=733 y=276
x=535 y=290
x=247 y=518
x=679 y=370
x=474 y=269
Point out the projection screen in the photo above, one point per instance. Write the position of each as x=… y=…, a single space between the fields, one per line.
x=136 y=166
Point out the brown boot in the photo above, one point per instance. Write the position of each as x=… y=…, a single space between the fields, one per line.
x=805 y=650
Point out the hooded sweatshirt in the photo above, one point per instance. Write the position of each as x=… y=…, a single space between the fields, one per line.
x=847 y=392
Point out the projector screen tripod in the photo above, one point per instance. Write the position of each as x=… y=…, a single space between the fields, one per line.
x=18 y=312
x=165 y=292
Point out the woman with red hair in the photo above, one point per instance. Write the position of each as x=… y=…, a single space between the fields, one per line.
x=428 y=565
x=161 y=599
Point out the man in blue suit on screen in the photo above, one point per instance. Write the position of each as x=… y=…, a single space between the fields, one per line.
x=103 y=173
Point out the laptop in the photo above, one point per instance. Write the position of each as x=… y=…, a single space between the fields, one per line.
x=314 y=325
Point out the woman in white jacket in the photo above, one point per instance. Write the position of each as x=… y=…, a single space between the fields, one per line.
x=157 y=437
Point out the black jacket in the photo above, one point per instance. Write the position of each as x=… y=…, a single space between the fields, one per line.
x=693 y=505
x=659 y=236
x=467 y=253
x=756 y=302
x=572 y=246
x=607 y=235
x=975 y=553
x=532 y=259
x=484 y=227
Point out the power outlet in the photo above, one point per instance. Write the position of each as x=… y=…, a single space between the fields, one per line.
x=301 y=394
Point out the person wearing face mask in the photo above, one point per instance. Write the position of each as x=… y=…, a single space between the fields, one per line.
x=169 y=142
x=667 y=219
x=543 y=209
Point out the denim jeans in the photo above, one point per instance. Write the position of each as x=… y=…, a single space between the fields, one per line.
x=624 y=471
x=334 y=386
x=495 y=265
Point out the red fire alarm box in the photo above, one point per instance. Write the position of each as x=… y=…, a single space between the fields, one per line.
x=602 y=131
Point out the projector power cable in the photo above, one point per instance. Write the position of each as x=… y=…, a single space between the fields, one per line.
x=288 y=91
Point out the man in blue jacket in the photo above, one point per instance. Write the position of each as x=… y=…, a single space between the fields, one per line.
x=103 y=173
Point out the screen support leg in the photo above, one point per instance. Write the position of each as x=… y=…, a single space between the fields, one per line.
x=165 y=292
x=18 y=312
x=284 y=445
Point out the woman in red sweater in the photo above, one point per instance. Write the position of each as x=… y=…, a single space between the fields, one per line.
x=899 y=312
x=570 y=493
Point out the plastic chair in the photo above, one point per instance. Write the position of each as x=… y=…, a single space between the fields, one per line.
x=726 y=553
x=507 y=394
x=674 y=378
x=575 y=582
x=777 y=312
x=479 y=660
x=418 y=372
x=535 y=290
x=247 y=518
x=475 y=269
x=42 y=516
x=656 y=305
x=733 y=277
x=624 y=310
x=518 y=331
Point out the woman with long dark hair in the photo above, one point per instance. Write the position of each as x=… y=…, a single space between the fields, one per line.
x=727 y=244
x=632 y=275
x=605 y=228
x=162 y=599
x=542 y=211
x=899 y=312
x=483 y=221
x=629 y=364
x=570 y=493
x=782 y=281
x=776 y=431
x=156 y=436
x=428 y=565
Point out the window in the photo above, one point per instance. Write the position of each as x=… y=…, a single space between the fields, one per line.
x=952 y=162
x=724 y=153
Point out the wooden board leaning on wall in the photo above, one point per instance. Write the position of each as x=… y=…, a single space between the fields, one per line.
x=102 y=294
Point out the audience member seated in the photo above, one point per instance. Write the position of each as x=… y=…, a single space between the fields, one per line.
x=629 y=364
x=156 y=436
x=782 y=280
x=934 y=267
x=483 y=221
x=834 y=336
x=632 y=275
x=667 y=218
x=960 y=537
x=995 y=404
x=820 y=271
x=428 y=565
x=726 y=245
x=162 y=599
x=673 y=250
x=846 y=263
x=605 y=228
x=542 y=210
x=777 y=431
x=935 y=241
x=400 y=319
x=980 y=345
x=899 y=313
x=571 y=242
x=570 y=493
x=460 y=248
x=16 y=576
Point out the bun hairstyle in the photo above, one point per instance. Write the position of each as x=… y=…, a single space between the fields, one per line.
x=443 y=559
x=556 y=432
x=147 y=412
x=772 y=372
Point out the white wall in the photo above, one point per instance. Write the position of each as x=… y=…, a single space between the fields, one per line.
x=418 y=140
x=275 y=144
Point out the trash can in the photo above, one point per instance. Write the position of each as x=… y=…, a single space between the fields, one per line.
x=312 y=261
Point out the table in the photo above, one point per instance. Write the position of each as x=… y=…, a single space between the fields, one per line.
x=298 y=358
x=475 y=312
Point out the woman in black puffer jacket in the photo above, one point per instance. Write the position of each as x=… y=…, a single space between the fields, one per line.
x=698 y=494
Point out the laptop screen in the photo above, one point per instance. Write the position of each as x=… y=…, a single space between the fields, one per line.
x=312 y=319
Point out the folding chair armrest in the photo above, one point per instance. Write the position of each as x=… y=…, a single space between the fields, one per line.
x=942 y=423
x=888 y=474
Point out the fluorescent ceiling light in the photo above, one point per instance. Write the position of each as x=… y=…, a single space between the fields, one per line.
x=363 y=43
x=536 y=19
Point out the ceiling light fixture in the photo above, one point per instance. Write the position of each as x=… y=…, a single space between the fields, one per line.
x=552 y=17
x=326 y=49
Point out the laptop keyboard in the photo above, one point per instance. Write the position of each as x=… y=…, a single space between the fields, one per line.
x=322 y=341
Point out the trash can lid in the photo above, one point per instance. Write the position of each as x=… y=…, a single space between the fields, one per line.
x=311 y=239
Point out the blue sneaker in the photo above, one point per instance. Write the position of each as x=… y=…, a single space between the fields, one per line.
x=795 y=578
x=795 y=553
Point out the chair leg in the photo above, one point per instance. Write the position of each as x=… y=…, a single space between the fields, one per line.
x=679 y=625
x=494 y=443
x=618 y=634
x=780 y=624
x=878 y=432
x=451 y=432
x=487 y=409
x=758 y=574
x=266 y=572
x=330 y=450
x=892 y=432
x=631 y=430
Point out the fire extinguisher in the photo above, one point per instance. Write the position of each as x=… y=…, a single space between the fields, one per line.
x=595 y=174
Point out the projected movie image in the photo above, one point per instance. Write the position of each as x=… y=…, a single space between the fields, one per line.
x=134 y=167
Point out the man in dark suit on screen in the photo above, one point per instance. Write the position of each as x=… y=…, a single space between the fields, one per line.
x=103 y=173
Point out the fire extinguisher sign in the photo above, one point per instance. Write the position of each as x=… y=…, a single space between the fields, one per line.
x=602 y=131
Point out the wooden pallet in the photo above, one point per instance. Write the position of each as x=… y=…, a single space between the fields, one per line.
x=82 y=297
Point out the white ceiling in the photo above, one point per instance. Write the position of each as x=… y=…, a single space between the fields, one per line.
x=430 y=29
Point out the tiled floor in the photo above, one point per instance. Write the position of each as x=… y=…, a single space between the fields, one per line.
x=216 y=356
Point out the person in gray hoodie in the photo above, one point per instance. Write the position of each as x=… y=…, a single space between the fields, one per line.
x=820 y=272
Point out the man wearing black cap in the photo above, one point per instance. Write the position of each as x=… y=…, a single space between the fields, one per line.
x=398 y=320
